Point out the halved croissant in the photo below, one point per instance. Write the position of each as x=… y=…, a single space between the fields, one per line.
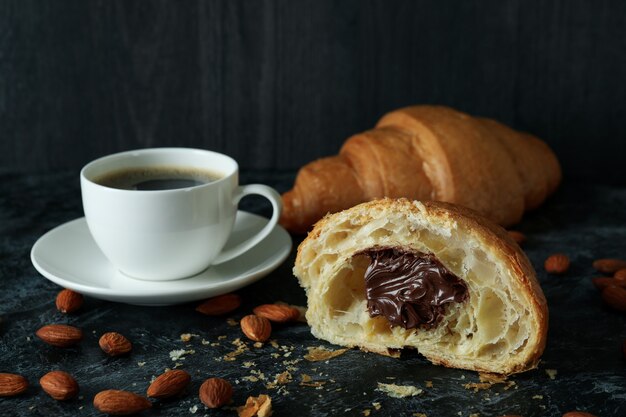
x=495 y=322
x=428 y=153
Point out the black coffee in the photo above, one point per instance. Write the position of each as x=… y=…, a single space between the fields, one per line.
x=156 y=178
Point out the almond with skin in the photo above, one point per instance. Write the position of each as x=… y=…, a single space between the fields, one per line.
x=169 y=384
x=59 y=385
x=620 y=275
x=603 y=282
x=277 y=312
x=615 y=297
x=220 y=305
x=120 y=403
x=215 y=392
x=12 y=384
x=256 y=328
x=578 y=414
x=609 y=265
x=518 y=237
x=60 y=335
x=557 y=263
x=115 y=344
x=69 y=301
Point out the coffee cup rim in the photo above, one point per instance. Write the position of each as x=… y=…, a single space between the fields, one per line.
x=84 y=172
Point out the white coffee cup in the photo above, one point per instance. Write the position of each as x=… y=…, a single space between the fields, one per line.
x=174 y=233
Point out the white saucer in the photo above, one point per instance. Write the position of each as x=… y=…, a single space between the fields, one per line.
x=67 y=255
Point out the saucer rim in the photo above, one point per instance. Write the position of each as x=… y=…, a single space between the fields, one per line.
x=232 y=284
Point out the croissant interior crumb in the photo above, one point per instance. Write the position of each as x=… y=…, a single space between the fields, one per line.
x=491 y=326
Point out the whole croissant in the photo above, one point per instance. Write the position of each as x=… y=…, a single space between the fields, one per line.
x=428 y=153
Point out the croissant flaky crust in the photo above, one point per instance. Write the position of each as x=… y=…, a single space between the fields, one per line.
x=500 y=326
x=428 y=153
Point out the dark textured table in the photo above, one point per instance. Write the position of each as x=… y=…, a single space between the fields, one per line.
x=584 y=343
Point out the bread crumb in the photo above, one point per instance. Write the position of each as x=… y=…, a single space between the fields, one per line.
x=320 y=353
x=398 y=391
x=260 y=406
x=551 y=373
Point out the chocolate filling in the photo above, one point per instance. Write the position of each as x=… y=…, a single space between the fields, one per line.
x=410 y=289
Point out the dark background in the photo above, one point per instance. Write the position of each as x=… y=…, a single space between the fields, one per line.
x=278 y=83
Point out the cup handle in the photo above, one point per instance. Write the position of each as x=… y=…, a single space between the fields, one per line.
x=277 y=206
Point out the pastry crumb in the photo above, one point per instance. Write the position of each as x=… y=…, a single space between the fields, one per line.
x=477 y=386
x=429 y=384
x=241 y=348
x=232 y=322
x=258 y=345
x=419 y=415
x=537 y=397
x=398 y=391
x=551 y=373
x=141 y=363
x=193 y=409
x=260 y=406
x=320 y=353
x=491 y=378
x=366 y=412
x=186 y=337
x=179 y=354
x=376 y=406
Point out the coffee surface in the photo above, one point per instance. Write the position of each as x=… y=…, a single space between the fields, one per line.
x=410 y=289
x=156 y=178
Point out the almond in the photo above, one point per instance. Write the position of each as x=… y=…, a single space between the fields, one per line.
x=277 y=312
x=115 y=344
x=59 y=385
x=120 y=403
x=256 y=328
x=609 y=266
x=12 y=384
x=615 y=297
x=222 y=304
x=169 y=384
x=603 y=282
x=620 y=275
x=69 y=301
x=60 y=335
x=215 y=392
x=557 y=263
x=518 y=237
x=578 y=414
